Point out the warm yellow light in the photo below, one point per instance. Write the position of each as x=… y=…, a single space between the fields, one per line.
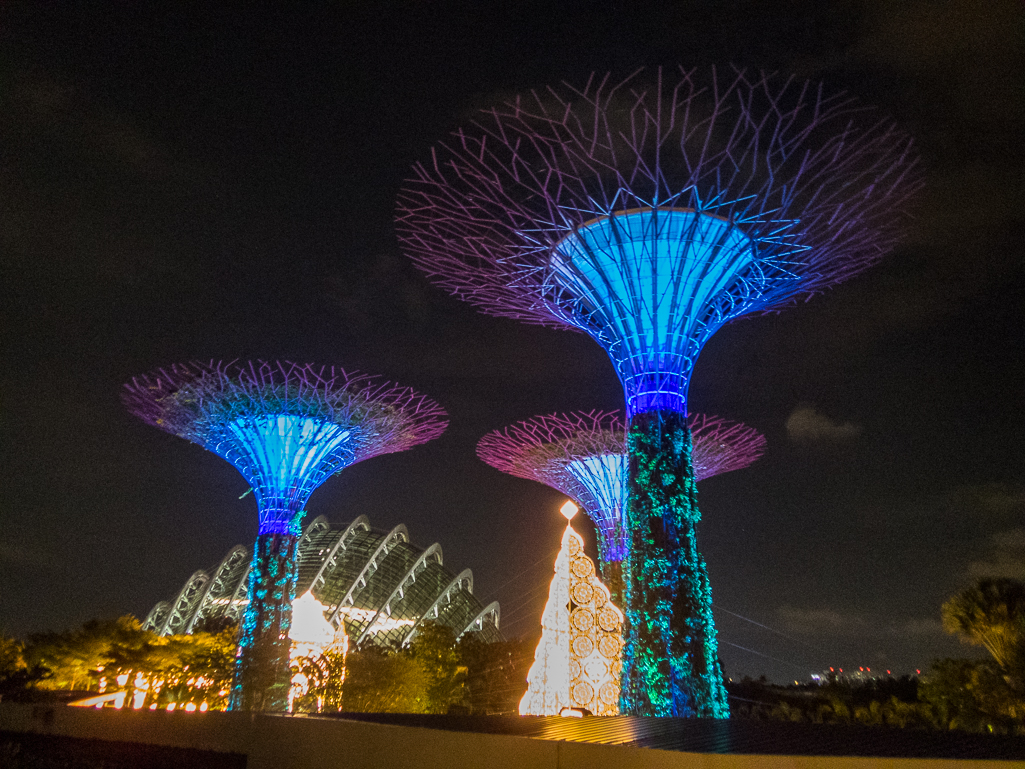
x=577 y=662
x=311 y=636
x=308 y=623
x=569 y=509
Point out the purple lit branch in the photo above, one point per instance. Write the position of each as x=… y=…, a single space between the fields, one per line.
x=286 y=427
x=582 y=454
x=189 y=399
x=816 y=182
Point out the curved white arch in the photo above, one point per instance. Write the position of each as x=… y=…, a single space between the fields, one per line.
x=491 y=608
x=363 y=523
x=185 y=603
x=408 y=578
x=157 y=615
x=317 y=525
x=396 y=535
x=241 y=594
x=227 y=566
x=433 y=612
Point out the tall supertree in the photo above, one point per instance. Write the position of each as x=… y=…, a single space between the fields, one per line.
x=286 y=427
x=583 y=455
x=647 y=215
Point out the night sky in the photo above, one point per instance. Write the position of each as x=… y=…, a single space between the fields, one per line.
x=183 y=181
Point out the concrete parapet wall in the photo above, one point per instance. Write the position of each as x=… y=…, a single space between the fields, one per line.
x=282 y=742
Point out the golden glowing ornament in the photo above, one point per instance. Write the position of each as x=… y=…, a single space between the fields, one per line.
x=577 y=662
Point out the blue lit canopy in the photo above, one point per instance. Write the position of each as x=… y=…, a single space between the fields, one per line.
x=653 y=285
x=284 y=457
x=602 y=479
x=285 y=427
x=583 y=455
x=649 y=212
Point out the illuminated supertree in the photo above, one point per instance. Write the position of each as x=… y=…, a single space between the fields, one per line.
x=583 y=455
x=648 y=216
x=286 y=427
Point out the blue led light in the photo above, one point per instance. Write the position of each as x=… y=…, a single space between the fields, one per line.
x=654 y=285
x=285 y=457
x=603 y=476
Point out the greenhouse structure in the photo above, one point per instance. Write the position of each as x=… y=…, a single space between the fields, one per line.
x=381 y=585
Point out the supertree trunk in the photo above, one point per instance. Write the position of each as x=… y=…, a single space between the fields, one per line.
x=262 y=677
x=670 y=659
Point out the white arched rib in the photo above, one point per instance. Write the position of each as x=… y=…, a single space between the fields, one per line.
x=228 y=565
x=184 y=603
x=491 y=608
x=464 y=576
x=396 y=535
x=360 y=523
x=408 y=577
x=156 y=615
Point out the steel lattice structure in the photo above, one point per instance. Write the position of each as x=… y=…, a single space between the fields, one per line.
x=377 y=583
x=286 y=427
x=583 y=455
x=647 y=216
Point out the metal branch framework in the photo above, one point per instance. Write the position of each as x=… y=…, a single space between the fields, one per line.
x=286 y=427
x=583 y=455
x=647 y=214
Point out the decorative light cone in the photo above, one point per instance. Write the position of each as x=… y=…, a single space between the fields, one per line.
x=286 y=428
x=583 y=455
x=647 y=216
x=577 y=662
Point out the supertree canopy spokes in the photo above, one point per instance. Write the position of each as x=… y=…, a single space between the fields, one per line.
x=286 y=427
x=583 y=455
x=654 y=285
x=647 y=216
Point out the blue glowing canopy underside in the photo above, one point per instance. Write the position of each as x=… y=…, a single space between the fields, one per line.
x=602 y=480
x=284 y=457
x=654 y=285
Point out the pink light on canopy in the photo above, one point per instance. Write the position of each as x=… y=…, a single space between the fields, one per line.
x=582 y=454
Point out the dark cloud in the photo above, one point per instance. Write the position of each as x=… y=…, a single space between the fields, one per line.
x=822 y=622
x=807 y=425
x=992 y=501
x=1005 y=556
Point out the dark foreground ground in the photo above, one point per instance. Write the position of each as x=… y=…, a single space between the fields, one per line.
x=34 y=751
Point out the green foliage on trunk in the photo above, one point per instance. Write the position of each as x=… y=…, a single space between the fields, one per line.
x=262 y=679
x=670 y=658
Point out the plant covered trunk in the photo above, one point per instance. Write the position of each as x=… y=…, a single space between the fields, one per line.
x=670 y=659
x=262 y=677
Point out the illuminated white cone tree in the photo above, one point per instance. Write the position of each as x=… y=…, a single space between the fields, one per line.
x=577 y=662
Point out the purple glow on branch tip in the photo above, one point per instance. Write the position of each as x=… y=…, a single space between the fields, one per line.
x=649 y=214
x=286 y=427
x=583 y=455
